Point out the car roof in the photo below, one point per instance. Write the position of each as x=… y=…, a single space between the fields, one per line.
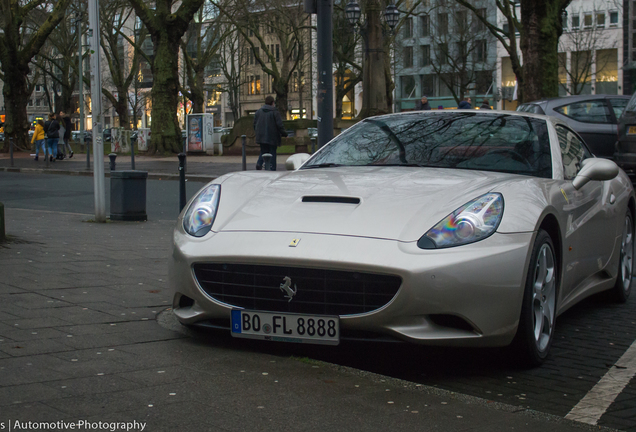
x=574 y=98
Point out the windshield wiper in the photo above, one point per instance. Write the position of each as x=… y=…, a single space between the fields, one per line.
x=322 y=165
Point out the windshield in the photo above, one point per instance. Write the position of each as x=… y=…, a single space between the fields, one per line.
x=490 y=142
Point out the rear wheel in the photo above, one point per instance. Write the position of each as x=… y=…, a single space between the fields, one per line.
x=538 y=311
x=623 y=286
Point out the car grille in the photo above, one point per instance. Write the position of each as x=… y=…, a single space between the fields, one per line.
x=329 y=292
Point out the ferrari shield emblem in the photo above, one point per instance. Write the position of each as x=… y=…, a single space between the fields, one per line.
x=294 y=243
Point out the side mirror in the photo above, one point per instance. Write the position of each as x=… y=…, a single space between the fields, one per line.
x=595 y=169
x=295 y=161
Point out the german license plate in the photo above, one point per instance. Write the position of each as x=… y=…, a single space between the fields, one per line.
x=631 y=130
x=286 y=327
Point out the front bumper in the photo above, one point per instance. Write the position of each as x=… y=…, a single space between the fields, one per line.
x=480 y=283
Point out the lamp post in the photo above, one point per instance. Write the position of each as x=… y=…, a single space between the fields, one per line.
x=374 y=99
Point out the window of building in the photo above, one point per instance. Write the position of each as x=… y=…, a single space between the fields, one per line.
x=408 y=86
x=600 y=19
x=38 y=102
x=407 y=28
x=426 y=55
x=442 y=24
x=442 y=53
x=587 y=20
x=38 y=88
x=30 y=102
x=481 y=50
x=478 y=24
x=461 y=48
x=564 y=22
x=607 y=71
x=576 y=22
x=425 y=26
x=277 y=53
x=613 y=19
x=461 y=21
x=408 y=56
x=254 y=85
x=428 y=85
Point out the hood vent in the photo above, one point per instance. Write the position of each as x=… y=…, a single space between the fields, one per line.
x=332 y=199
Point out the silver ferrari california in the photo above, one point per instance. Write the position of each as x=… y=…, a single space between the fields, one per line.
x=461 y=228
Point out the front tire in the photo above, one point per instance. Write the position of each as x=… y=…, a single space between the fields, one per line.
x=623 y=286
x=538 y=311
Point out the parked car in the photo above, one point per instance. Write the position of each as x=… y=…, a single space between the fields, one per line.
x=594 y=117
x=625 y=155
x=429 y=227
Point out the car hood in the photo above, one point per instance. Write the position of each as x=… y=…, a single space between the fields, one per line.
x=397 y=203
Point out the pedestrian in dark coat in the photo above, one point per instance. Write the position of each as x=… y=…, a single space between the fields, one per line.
x=67 y=133
x=52 y=129
x=485 y=104
x=268 y=125
x=424 y=105
x=465 y=104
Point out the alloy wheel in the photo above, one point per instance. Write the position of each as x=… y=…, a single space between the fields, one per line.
x=544 y=297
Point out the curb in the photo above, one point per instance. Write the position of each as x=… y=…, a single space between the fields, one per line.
x=152 y=176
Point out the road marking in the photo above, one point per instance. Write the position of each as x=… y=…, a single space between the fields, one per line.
x=590 y=409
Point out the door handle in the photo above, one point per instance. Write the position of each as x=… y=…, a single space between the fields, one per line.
x=612 y=199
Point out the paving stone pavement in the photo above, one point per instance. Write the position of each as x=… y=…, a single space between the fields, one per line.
x=80 y=340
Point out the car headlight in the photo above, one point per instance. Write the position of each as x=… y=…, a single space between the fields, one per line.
x=199 y=217
x=471 y=222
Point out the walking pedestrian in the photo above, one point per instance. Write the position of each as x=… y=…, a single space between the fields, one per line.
x=424 y=105
x=485 y=104
x=268 y=125
x=67 y=133
x=465 y=104
x=52 y=128
x=38 y=139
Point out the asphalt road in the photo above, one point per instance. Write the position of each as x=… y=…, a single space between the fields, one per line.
x=75 y=194
x=590 y=338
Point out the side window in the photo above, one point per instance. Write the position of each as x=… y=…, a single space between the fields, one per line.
x=573 y=152
x=618 y=105
x=593 y=111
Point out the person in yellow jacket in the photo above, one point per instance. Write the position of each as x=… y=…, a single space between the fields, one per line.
x=39 y=139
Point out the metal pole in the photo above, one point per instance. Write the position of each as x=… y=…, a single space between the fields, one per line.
x=182 y=182
x=132 y=152
x=96 y=102
x=11 y=149
x=243 y=150
x=313 y=145
x=81 y=88
x=325 y=71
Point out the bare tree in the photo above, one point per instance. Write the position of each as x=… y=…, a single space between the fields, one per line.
x=233 y=62
x=262 y=21
x=461 y=48
x=583 y=42
x=26 y=25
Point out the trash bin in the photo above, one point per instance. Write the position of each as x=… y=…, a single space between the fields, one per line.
x=128 y=195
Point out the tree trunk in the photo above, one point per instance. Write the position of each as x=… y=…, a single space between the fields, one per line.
x=541 y=30
x=165 y=132
x=374 y=87
x=122 y=110
x=16 y=96
x=197 y=94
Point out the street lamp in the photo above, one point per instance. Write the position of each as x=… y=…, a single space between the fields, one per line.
x=352 y=12
x=392 y=15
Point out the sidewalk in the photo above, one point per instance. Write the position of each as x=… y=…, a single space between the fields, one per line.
x=86 y=334
x=198 y=168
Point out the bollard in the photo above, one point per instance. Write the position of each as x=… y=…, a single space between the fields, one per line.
x=11 y=149
x=244 y=157
x=267 y=158
x=112 y=158
x=182 y=181
x=313 y=145
x=132 y=152
x=88 y=153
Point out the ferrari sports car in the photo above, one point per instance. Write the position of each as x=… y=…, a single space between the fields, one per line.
x=456 y=228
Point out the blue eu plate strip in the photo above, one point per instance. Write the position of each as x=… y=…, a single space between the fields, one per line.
x=236 y=321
